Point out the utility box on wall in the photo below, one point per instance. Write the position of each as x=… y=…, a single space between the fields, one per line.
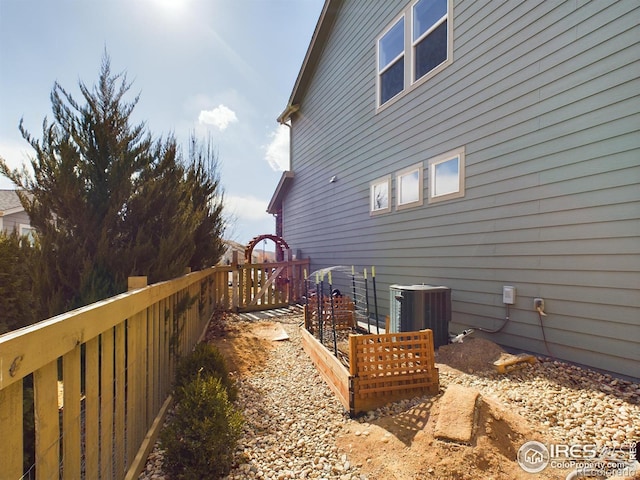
x=417 y=307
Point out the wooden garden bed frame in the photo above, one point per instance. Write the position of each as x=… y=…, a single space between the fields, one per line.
x=383 y=368
x=338 y=312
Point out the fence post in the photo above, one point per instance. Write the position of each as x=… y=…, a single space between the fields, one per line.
x=353 y=355
x=291 y=275
x=133 y=283
x=235 y=284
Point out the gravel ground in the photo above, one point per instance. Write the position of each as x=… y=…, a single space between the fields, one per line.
x=577 y=405
x=292 y=418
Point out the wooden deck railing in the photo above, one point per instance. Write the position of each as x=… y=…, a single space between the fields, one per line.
x=102 y=374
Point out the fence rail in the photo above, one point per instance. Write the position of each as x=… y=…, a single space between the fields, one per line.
x=100 y=376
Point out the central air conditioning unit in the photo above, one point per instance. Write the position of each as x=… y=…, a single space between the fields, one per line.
x=418 y=307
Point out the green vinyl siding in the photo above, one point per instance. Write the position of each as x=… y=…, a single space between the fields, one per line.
x=545 y=99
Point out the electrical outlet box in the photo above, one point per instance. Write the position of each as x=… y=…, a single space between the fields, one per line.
x=508 y=295
x=538 y=304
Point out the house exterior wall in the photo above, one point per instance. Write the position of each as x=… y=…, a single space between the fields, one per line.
x=15 y=220
x=544 y=97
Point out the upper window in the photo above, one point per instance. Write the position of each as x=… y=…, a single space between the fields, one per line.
x=429 y=36
x=391 y=62
x=427 y=32
x=446 y=176
x=409 y=186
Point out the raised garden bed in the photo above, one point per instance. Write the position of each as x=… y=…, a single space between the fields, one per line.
x=382 y=368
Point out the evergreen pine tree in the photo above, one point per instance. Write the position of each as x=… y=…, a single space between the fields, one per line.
x=109 y=202
x=206 y=196
x=17 y=307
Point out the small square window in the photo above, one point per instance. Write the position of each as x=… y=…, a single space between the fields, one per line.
x=446 y=176
x=28 y=231
x=380 y=195
x=409 y=187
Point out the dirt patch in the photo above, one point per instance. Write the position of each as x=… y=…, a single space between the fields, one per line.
x=472 y=356
x=245 y=345
x=403 y=446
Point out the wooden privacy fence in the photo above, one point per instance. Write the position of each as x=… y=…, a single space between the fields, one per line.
x=101 y=375
x=383 y=368
x=101 y=378
x=260 y=286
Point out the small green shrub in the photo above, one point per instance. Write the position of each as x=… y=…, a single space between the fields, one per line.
x=207 y=361
x=200 y=439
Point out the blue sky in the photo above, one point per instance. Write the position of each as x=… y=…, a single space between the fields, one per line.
x=219 y=68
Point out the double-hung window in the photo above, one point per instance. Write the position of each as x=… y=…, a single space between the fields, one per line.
x=391 y=62
x=415 y=45
x=429 y=37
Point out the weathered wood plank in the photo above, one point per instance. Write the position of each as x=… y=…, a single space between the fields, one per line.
x=45 y=392
x=164 y=349
x=107 y=382
x=92 y=402
x=71 y=448
x=153 y=340
x=11 y=430
x=119 y=401
x=330 y=368
x=132 y=390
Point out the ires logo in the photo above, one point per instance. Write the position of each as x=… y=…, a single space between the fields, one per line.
x=534 y=456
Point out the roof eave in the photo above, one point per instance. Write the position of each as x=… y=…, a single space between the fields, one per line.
x=13 y=210
x=276 y=199
x=326 y=19
x=286 y=115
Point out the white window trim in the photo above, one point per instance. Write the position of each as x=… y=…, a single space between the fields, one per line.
x=26 y=227
x=386 y=182
x=433 y=162
x=401 y=173
x=409 y=68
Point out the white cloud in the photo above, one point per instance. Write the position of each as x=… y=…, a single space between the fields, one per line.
x=219 y=117
x=6 y=184
x=278 y=150
x=17 y=155
x=246 y=207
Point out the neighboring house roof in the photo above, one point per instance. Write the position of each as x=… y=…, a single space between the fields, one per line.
x=321 y=32
x=9 y=202
x=230 y=247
